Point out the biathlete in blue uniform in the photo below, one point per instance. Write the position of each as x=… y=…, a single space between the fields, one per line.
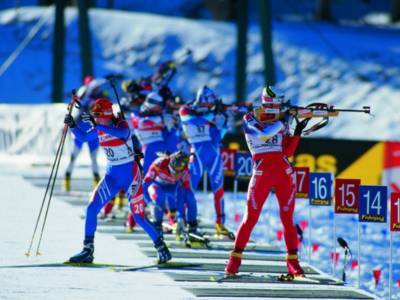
x=122 y=173
x=204 y=129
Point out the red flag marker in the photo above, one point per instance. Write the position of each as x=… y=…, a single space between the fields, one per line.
x=237 y=217
x=335 y=257
x=354 y=264
x=279 y=235
x=303 y=224
x=315 y=247
x=398 y=283
x=377 y=275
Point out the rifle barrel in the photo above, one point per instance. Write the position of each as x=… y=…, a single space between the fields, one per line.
x=365 y=109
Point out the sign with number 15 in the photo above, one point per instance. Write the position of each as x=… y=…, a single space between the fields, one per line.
x=346 y=196
x=395 y=212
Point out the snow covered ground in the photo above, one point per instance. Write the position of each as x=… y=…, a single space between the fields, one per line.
x=62 y=238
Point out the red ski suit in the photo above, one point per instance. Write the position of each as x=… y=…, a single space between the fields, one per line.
x=270 y=146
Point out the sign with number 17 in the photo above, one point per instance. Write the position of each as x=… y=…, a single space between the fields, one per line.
x=395 y=212
x=302 y=181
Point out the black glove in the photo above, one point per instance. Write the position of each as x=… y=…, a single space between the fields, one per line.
x=219 y=107
x=88 y=118
x=138 y=153
x=69 y=120
x=300 y=126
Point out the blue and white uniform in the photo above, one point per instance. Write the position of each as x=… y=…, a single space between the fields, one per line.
x=204 y=132
x=122 y=173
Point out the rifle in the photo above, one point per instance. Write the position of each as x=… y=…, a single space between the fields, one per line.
x=322 y=110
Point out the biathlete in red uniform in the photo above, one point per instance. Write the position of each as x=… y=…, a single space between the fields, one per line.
x=268 y=138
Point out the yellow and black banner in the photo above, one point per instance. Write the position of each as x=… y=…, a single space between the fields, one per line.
x=348 y=159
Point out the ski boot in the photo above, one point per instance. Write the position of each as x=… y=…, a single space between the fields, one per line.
x=221 y=230
x=234 y=262
x=163 y=253
x=67 y=182
x=130 y=223
x=293 y=265
x=86 y=255
x=96 y=179
x=193 y=235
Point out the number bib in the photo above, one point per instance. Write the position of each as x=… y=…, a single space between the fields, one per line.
x=149 y=129
x=148 y=136
x=117 y=151
x=256 y=145
x=197 y=133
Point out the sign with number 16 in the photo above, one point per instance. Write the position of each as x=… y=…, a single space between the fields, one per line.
x=320 y=189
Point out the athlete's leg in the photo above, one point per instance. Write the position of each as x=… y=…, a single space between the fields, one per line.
x=103 y=193
x=285 y=192
x=171 y=197
x=215 y=171
x=191 y=205
x=135 y=196
x=259 y=187
x=196 y=170
x=157 y=195
x=74 y=154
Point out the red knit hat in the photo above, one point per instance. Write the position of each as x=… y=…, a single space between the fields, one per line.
x=102 y=108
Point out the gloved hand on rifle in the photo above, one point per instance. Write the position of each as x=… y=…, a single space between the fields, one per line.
x=69 y=120
x=138 y=153
x=219 y=107
x=88 y=118
x=300 y=126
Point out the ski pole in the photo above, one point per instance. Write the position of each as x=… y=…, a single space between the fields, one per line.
x=74 y=102
x=112 y=83
x=138 y=154
x=52 y=178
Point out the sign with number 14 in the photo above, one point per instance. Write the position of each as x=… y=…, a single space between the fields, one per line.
x=372 y=203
